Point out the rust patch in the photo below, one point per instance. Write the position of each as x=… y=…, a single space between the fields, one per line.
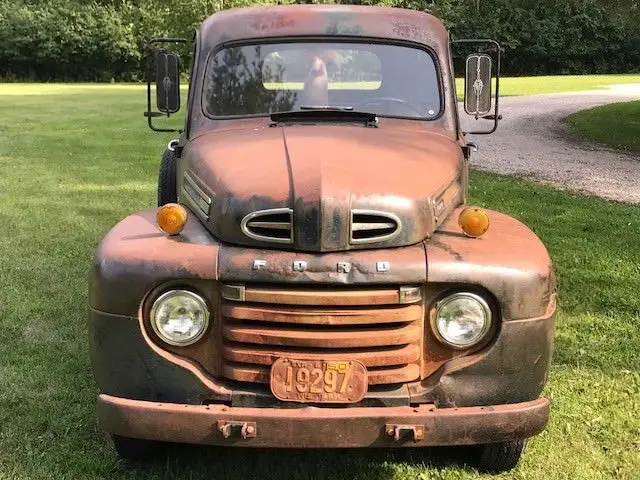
x=318 y=20
x=267 y=23
x=412 y=31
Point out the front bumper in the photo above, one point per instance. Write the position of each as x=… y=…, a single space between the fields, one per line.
x=311 y=427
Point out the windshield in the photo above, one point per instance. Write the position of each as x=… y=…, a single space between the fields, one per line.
x=388 y=80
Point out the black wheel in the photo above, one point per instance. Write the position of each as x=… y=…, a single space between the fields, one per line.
x=133 y=448
x=167 y=189
x=500 y=457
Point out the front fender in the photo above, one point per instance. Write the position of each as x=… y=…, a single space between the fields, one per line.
x=509 y=261
x=135 y=257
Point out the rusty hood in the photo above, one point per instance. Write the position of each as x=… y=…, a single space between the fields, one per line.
x=341 y=187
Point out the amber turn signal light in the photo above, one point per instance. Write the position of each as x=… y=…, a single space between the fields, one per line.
x=474 y=222
x=171 y=218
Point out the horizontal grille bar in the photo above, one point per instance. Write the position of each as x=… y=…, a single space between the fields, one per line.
x=317 y=316
x=266 y=355
x=333 y=298
x=327 y=337
x=259 y=374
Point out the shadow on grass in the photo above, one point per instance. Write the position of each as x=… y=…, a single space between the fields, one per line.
x=189 y=461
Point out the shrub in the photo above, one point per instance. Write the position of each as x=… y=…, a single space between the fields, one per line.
x=63 y=40
x=103 y=40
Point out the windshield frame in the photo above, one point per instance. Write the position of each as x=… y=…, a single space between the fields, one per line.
x=319 y=39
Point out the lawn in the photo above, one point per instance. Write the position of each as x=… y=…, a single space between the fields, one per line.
x=561 y=83
x=513 y=86
x=616 y=125
x=509 y=86
x=76 y=159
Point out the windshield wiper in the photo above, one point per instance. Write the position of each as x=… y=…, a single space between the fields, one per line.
x=325 y=114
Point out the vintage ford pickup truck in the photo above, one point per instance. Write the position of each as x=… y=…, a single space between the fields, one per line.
x=312 y=276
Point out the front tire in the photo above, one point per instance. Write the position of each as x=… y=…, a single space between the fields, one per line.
x=133 y=448
x=499 y=457
x=167 y=188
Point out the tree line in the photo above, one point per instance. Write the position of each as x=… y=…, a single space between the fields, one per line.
x=102 y=40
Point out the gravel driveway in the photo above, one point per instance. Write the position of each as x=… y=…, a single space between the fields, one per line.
x=533 y=141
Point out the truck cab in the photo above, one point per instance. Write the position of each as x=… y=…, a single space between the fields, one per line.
x=312 y=275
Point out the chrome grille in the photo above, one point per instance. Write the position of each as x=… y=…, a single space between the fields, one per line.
x=368 y=226
x=373 y=326
x=274 y=225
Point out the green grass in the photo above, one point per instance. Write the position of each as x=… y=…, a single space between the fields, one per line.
x=76 y=159
x=561 y=83
x=616 y=125
x=514 y=86
x=509 y=86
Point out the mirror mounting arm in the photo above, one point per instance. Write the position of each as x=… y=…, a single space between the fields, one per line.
x=468 y=149
x=150 y=114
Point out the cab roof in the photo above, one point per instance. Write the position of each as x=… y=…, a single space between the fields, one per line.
x=324 y=20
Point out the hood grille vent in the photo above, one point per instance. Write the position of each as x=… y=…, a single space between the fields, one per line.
x=369 y=226
x=274 y=225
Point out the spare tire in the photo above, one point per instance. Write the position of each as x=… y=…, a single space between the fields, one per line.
x=167 y=188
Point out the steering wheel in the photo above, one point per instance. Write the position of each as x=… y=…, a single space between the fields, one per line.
x=404 y=103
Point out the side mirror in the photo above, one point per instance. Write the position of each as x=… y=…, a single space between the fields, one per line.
x=167 y=82
x=477 y=85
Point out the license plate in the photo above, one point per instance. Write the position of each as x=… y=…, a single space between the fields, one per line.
x=318 y=381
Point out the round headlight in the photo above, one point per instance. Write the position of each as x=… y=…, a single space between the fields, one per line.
x=179 y=317
x=462 y=320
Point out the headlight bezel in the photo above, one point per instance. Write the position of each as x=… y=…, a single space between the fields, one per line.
x=167 y=294
x=485 y=333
